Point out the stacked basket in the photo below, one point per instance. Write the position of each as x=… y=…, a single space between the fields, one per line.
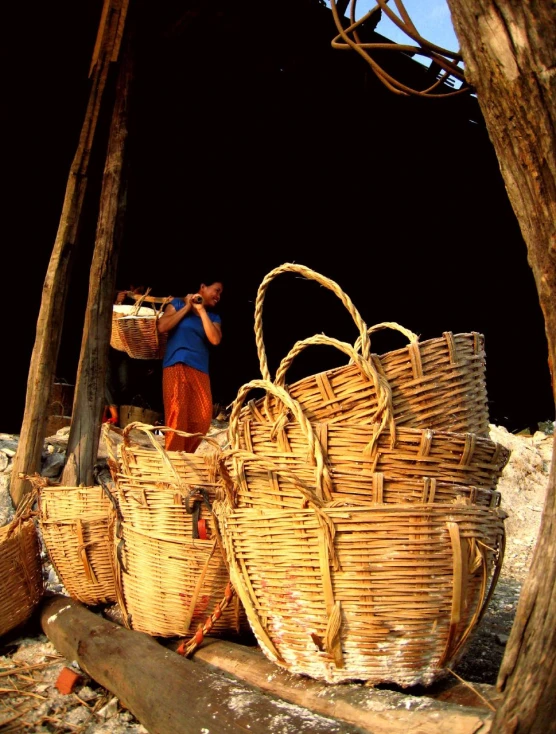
x=173 y=579
x=361 y=521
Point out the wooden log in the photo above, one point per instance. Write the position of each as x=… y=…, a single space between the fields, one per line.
x=55 y=288
x=90 y=393
x=167 y=693
x=373 y=710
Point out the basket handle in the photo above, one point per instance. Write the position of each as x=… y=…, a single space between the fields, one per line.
x=384 y=411
x=138 y=303
x=311 y=275
x=411 y=336
x=323 y=480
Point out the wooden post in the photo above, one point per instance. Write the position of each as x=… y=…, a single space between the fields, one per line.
x=51 y=314
x=90 y=395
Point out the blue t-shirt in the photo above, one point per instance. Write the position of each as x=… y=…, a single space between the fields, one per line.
x=187 y=342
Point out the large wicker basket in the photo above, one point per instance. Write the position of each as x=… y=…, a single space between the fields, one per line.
x=21 y=579
x=356 y=591
x=77 y=526
x=134 y=330
x=351 y=461
x=172 y=569
x=439 y=383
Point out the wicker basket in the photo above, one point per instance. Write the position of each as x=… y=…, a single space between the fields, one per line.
x=137 y=414
x=439 y=383
x=77 y=529
x=21 y=580
x=378 y=593
x=172 y=569
x=134 y=330
x=351 y=461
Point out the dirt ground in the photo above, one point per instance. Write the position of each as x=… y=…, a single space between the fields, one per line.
x=30 y=665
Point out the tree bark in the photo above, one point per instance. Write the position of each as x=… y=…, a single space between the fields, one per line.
x=509 y=49
x=51 y=315
x=90 y=394
x=166 y=692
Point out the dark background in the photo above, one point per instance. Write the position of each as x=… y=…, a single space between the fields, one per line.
x=254 y=143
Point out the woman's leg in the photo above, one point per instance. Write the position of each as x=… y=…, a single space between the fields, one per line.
x=187 y=405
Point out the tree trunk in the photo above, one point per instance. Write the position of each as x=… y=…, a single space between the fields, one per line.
x=509 y=48
x=90 y=393
x=51 y=315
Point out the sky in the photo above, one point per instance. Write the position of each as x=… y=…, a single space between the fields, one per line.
x=431 y=18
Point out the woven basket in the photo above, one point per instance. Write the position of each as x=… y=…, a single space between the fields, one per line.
x=172 y=569
x=351 y=461
x=439 y=383
x=21 y=580
x=378 y=593
x=136 y=414
x=134 y=330
x=77 y=529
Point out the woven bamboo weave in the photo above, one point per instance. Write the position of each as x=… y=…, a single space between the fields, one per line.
x=404 y=465
x=378 y=593
x=438 y=383
x=135 y=329
x=21 y=581
x=172 y=571
x=77 y=529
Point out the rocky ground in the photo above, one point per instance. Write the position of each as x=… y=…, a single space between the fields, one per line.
x=30 y=665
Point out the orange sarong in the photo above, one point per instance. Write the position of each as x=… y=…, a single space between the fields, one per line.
x=187 y=405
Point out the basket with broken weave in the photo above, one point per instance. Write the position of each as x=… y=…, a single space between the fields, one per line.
x=135 y=331
x=21 y=580
x=438 y=383
x=77 y=526
x=353 y=589
x=172 y=571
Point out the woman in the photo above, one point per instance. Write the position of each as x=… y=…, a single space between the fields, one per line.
x=192 y=328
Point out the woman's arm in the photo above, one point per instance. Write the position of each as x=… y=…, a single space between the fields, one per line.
x=213 y=330
x=171 y=317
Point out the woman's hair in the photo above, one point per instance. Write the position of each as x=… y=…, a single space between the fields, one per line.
x=213 y=278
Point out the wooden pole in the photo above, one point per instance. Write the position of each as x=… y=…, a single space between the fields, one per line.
x=166 y=692
x=51 y=315
x=89 y=398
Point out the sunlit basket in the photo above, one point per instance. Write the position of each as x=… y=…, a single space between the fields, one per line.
x=356 y=591
x=134 y=330
x=352 y=461
x=438 y=383
x=171 y=566
x=21 y=579
x=77 y=527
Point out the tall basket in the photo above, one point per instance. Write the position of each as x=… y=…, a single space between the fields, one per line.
x=172 y=572
x=21 y=579
x=439 y=383
x=77 y=526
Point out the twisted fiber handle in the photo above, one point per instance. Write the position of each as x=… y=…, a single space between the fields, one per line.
x=384 y=411
x=412 y=337
x=310 y=275
x=139 y=302
x=322 y=479
x=188 y=648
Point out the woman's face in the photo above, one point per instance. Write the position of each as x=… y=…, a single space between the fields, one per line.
x=211 y=293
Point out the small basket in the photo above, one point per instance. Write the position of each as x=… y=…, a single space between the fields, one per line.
x=21 y=579
x=439 y=383
x=134 y=330
x=350 y=461
x=172 y=572
x=77 y=527
x=138 y=414
x=354 y=591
